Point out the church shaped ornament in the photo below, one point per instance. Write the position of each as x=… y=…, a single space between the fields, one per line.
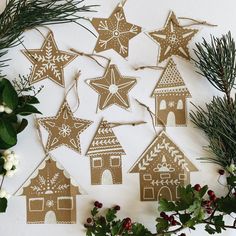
x=171 y=96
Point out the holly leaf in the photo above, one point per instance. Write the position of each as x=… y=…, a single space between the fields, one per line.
x=3 y=205
x=166 y=205
x=162 y=225
x=140 y=230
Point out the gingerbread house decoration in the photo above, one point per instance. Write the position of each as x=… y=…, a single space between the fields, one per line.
x=171 y=96
x=50 y=195
x=105 y=152
x=162 y=168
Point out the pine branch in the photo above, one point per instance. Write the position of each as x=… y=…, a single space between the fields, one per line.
x=22 y=15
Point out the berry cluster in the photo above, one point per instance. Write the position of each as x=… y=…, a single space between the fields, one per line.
x=127 y=223
x=170 y=218
x=98 y=204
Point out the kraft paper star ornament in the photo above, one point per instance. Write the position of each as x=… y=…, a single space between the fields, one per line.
x=173 y=39
x=113 y=88
x=64 y=129
x=115 y=32
x=48 y=61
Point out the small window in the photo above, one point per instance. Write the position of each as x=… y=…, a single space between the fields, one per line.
x=148 y=193
x=165 y=176
x=115 y=161
x=180 y=105
x=163 y=105
x=182 y=176
x=147 y=177
x=64 y=203
x=97 y=162
x=36 y=204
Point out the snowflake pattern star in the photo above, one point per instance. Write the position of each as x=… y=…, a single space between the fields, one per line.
x=113 y=88
x=115 y=32
x=48 y=62
x=173 y=39
x=64 y=129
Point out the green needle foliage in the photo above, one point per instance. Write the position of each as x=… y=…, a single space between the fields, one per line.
x=216 y=62
x=22 y=15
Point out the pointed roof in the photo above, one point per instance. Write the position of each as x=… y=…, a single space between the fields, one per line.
x=50 y=178
x=162 y=141
x=171 y=81
x=105 y=142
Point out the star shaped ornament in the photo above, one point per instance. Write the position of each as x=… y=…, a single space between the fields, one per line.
x=113 y=88
x=64 y=129
x=48 y=61
x=173 y=39
x=115 y=32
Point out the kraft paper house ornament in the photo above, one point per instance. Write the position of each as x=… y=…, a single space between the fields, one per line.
x=115 y=32
x=173 y=39
x=162 y=168
x=171 y=96
x=50 y=195
x=105 y=152
x=48 y=61
x=113 y=88
x=64 y=129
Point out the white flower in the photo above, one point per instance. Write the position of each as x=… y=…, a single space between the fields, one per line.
x=2 y=108
x=8 y=165
x=3 y=193
x=8 y=110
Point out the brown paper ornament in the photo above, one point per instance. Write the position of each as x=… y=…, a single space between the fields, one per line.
x=115 y=32
x=113 y=88
x=171 y=96
x=48 y=62
x=173 y=39
x=50 y=195
x=162 y=168
x=105 y=153
x=64 y=129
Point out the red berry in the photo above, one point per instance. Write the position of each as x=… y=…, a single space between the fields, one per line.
x=174 y=222
x=221 y=172
x=197 y=187
x=162 y=214
x=96 y=204
x=89 y=220
x=210 y=193
x=127 y=220
x=166 y=217
x=209 y=211
x=171 y=218
x=213 y=198
x=100 y=205
x=234 y=194
x=117 y=208
x=183 y=234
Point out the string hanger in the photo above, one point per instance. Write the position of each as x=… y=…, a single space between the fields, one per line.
x=76 y=88
x=92 y=56
x=122 y=3
x=153 y=116
x=117 y=124
x=196 y=22
x=149 y=67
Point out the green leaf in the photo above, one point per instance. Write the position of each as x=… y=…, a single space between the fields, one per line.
x=2 y=170
x=22 y=125
x=231 y=180
x=7 y=133
x=227 y=205
x=162 y=225
x=219 y=223
x=110 y=215
x=184 y=218
x=166 y=205
x=28 y=99
x=9 y=95
x=94 y=211
x=3 y=204
x=209 y=229
x=140 y=230
x=203 y=191
x=27 y=110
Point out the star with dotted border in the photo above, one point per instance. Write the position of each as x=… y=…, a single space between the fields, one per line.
x=64 y=129
x=115 y=32
x=113 y=88
x=48 y=62
x=173 y=39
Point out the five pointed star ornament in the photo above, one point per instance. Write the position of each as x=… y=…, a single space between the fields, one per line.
x=113 y=88
x=115 y=32
x=173 y=39
x=64 y=129
x=48 y=62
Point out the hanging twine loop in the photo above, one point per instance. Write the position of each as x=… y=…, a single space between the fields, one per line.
x=149 y=67
x=196 y=22
x=117 y=124
x=122 y=3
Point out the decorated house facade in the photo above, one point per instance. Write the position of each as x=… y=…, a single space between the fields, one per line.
x=162 y=168
x=105 y=152
x=171 y=96
x=50 y=195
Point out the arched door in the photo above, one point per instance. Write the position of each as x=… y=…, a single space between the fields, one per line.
x=50 y=218
x=171 y=119
x=165 y=192
x=107 y=177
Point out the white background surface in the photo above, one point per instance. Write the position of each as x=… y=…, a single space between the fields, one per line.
x=150 y=14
